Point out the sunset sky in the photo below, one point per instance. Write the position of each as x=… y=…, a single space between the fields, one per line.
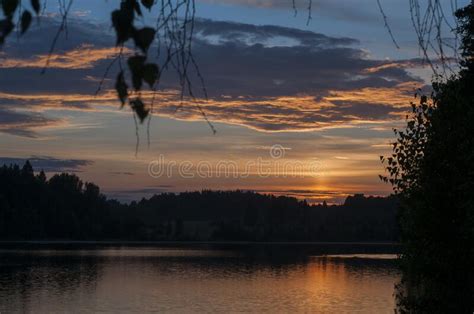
x=328 y=93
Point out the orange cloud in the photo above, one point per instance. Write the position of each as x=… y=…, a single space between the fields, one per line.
x=406 y=64
x=399 y=96
x=340 y=108
x=84 y=57
x=299 y=113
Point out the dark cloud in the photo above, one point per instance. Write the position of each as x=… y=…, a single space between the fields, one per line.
x=363 y=110
x=350 y=11
x=23 y=123
x=22 y=61
x=236 y=69
x=56 y=81
x=48 y=164
x=119 y=173
x=248 y=71
x=39 y=38
x=235 y=59
x=222 y=32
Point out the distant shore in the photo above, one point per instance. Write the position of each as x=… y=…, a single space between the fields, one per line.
x=191 y=242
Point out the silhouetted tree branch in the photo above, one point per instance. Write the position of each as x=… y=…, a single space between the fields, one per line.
x=436 y=34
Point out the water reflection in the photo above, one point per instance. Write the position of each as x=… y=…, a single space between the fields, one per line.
x=196 y=278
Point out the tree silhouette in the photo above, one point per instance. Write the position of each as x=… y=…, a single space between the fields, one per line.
x=63 y=207
x=432 y=171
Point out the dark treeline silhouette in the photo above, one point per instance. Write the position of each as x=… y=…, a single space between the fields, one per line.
x=63 y=207
x=432 y=172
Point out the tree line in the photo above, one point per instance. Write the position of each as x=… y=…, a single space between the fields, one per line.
x=432 y=173
x=63 y=207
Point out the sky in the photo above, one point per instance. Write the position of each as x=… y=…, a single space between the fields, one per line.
x=300 y=109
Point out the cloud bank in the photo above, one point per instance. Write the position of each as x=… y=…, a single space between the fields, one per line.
x=48 y=164
x=266 y=78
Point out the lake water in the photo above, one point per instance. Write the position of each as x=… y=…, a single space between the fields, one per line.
x=91 y=278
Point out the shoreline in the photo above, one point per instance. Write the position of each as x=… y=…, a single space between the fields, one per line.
x=357 y=243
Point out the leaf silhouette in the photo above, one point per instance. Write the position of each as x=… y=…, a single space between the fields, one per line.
x=136 y=65
x=35 y=4
x=9 y=7
x=139 y=108
x=26 y=18
x=144 y=37
x=121 y=88
x=6 y=26
x=122 y=21
x=148 y=3
x=136 y=7
x=150 y=73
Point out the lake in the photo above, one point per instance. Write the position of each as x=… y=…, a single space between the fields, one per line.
x=171 y=277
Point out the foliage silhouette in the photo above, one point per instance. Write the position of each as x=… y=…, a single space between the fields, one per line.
x=63 y=207
x=432 y=172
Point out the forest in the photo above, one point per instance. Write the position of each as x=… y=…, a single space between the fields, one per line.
x=33 y=207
